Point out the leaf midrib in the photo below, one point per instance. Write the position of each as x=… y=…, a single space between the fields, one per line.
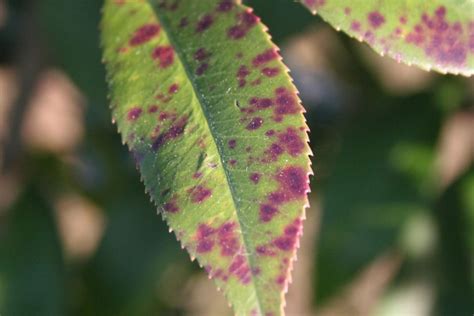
x=165 y=26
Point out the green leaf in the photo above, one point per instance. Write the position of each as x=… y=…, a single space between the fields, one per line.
x=203 y=101
x=437 y=34
x=32 y=274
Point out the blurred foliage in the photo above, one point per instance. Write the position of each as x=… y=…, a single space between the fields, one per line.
x=373 y=188
x=454 y=260
x=375 y=174
x=32 y=269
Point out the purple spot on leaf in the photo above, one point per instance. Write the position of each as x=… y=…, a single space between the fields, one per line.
x=144 y=34
x=255 y=123
x=204 y=23
x=255 y=177
x=199 y=194
x=134 y=114
x=376 y=19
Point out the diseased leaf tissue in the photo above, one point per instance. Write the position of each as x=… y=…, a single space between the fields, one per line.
x=435 y=34
x=207 y=108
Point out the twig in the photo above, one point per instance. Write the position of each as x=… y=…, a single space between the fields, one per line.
x=29 y=63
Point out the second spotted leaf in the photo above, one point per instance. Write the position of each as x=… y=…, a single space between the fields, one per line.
x=435 y=34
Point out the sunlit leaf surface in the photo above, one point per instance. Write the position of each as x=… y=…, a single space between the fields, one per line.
x=204 y=103
x=437 y=34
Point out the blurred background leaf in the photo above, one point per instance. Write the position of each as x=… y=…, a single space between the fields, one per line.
x=32 y=271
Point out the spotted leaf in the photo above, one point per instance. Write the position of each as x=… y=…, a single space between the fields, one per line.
x=436 y=34
x=203 y=101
